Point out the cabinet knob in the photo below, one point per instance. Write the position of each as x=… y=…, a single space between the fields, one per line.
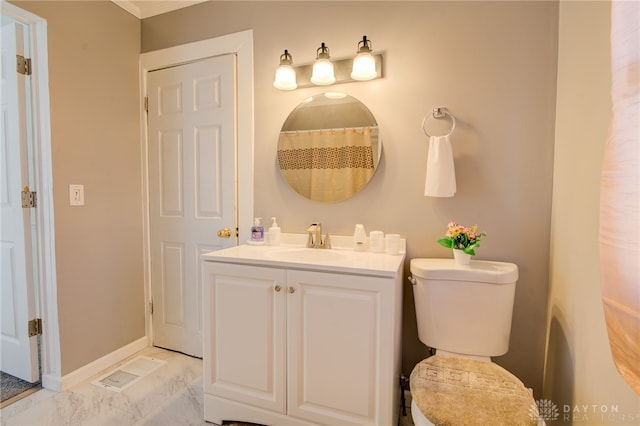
x=292 y=290
x=277 y=288
x=224 y=233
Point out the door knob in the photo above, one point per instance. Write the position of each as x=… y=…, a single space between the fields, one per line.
x=224 y=233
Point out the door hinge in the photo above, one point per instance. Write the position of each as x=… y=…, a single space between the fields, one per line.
x=23 y=65
x=28 y=198
x=35 y=327
x=151 y=307
x=146 y=103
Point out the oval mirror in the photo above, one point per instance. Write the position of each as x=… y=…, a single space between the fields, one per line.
x=329 y=147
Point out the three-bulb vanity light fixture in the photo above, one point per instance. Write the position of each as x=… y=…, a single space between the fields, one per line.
x=323 y=72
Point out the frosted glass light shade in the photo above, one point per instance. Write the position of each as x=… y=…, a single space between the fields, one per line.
x=323 y=73
x=364 y=67
x=285 y=78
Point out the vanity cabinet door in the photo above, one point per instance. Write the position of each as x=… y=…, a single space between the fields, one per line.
x=340 y=348
x=244 y=339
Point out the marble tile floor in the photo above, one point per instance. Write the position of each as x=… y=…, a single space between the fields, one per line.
x=169 y=396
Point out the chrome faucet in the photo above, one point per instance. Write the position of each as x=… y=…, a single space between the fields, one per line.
x=315 y=237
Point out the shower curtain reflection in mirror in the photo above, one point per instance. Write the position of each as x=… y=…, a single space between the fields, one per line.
x=327 y=164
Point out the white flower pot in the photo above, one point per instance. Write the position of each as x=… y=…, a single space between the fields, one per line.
x=461 y=257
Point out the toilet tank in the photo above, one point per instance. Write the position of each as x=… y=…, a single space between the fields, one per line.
x=464 y=309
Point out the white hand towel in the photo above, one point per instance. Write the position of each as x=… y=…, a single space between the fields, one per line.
x=441 y=174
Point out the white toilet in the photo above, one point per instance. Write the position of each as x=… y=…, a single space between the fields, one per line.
x=464 y=312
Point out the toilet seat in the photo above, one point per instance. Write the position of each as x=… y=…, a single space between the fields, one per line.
x=460 y=391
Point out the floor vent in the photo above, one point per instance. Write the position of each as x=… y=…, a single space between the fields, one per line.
x=128 y=374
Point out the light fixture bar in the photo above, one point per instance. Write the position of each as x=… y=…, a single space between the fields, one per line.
x=342 y=69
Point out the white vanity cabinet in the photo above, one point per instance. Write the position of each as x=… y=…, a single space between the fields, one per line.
x=290 y=346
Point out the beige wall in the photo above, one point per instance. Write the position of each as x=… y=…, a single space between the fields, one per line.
x=94 y=49
x=493 y=64
x=579 y=369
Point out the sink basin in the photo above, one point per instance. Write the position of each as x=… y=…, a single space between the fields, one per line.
x=300 y=254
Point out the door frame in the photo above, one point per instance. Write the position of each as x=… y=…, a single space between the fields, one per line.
x=46 y=301
x=241 y=45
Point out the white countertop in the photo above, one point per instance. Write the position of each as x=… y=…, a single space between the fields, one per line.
x=295 y=256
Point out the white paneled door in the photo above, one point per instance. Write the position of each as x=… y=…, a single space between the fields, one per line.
x=192 y=189
x=19 y=350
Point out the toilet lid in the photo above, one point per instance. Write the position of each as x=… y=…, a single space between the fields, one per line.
x=460 y=391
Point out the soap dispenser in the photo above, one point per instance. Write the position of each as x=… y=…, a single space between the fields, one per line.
x=257 y=231
x=274 y=233
x=359 y=238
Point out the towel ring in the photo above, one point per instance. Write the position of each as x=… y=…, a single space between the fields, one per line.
x=439 y=113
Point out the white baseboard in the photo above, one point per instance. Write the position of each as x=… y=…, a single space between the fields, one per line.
x=88 y=371
x=51 y=382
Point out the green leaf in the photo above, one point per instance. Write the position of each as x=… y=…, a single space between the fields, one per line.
x=446 y=242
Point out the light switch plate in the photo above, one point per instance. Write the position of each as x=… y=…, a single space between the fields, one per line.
x=76 y=195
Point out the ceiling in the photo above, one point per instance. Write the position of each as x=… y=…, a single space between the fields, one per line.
x=146 y=8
